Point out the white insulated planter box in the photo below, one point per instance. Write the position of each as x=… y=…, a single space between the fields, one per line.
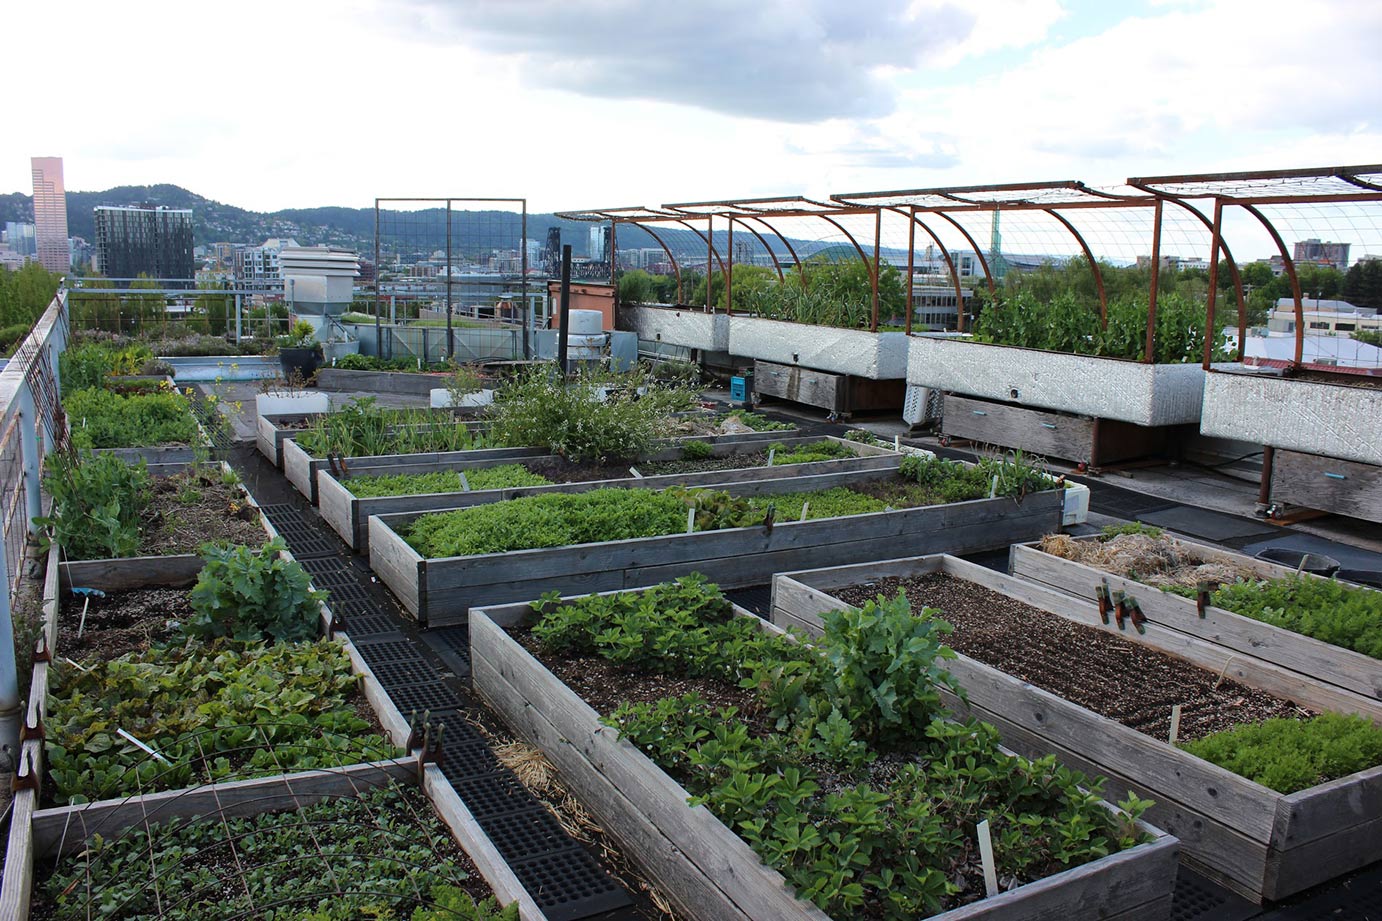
x=1309 y=416
x=689 y=328
x=858 y=352
x=1105 y=388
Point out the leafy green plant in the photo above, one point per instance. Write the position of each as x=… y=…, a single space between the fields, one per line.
x=384 y=849
x=502 y=476
x=364 y=429
x=1330 y=611
x=357 y=362
x=857 y=842
x=697 y=450
x=1290 y=755
x=758 y=422
x=213 y=710
x=100 y=418
x=1011 y=476
x=1131 y=527
x=251 y=594
x=302 y=336
x=591 y=418
x=807 y=453
x=97 y=501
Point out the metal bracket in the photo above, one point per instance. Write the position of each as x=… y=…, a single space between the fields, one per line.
x=1202 y=592
x=1102 y=595
x=36 y=731
x=41 y=651
x=26 y=778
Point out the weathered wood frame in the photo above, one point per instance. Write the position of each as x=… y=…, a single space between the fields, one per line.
x=1314 y=660
x=1263 y=844
x=441 y=590
x=701 y=865
x=36 y=833
x=1344 y=487
x=269 y=435
x=1049 y=433
x=349 y=515
x=412 y=383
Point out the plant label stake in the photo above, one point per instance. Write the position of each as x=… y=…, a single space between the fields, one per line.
x=986 y=856
x=465 y=484
x=1202 y=592
x=1101 y=593
x=691 y=519
x=993 y=487
x=804 y=507
x=772 y=452
x=897 y=443
x=636 y=474
x=87 y=594
x=1175 y=724
x=129 y=738
x=1119 y=608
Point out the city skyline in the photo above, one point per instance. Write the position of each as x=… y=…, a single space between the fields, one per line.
x=630 y=102
x=50 y=214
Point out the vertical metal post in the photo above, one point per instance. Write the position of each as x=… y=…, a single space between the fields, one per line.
x=911 y=265
x=524 y=311
x=877 y=244
x=1150 y=356
x=613 y=249
x=729 y=273
x=1212 y=296
x=709 y=260
x=378 y=335
x=28 y=449
x=9 y=675
x=1264 y=488
x=450 y=336
x=564 y=319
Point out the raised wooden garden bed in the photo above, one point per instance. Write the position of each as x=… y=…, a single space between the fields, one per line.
x=441 y=590
x=414 y=383
x=273 y=429
x=349 y=514
x=1328 y=484
x=1086 y=440
x=1264 y=844
x=1314 y=661
x=707 y=870
x=841 y=395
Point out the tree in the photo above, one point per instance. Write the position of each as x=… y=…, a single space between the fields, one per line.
x=211 y=310
x=1362 y=285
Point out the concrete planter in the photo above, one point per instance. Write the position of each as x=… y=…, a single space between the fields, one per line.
x=857 y=352
x=403 y=382
x=1105 y=388
x=442 y=590
x=291 y=402
x=1307 y=416
x=349 y=514
x=1264 y=844
x=707 y=870
x=683 y=326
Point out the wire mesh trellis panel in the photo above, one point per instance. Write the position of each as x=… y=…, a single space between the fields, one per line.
x=452 y=264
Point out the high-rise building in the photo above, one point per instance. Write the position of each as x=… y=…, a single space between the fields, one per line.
x=260 y=263
x=1334 y=255
x=50 y=214
x=152 y=241
x=599 y=243
x=20 y=238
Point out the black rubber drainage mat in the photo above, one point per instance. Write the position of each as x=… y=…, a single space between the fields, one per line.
x=1198 y=899
x=756 y=599
x=303 y=540
x=363 y=622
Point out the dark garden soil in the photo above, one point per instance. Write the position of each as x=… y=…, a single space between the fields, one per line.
x=1359 y=381
x=189 y=509
x=119 y=623
x=1114 y=677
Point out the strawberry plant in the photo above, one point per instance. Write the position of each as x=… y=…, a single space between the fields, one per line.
x=802 y=791
x=250 y=595
x=212 y=711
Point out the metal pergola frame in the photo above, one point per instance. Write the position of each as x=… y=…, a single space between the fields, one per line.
x=1248 y=190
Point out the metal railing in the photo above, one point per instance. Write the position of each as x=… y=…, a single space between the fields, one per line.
x=31 y=427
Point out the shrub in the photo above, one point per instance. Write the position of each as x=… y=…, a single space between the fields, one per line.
x=251 y=595
x=571 y=419
x=97 y=501
x=697 y=450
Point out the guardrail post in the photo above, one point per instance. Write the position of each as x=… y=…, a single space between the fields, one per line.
x=9 y=683
x=29 y=454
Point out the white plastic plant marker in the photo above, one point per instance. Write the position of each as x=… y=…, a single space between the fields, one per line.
x=993 y=487
x=805 y=506
x=125 y=735
x=690 y=519
x=1175 y=723
x=465 y=484
x=636 y=474
x=81 y=627
x=772 y=452
x=77 y=665
x=986 y=857
x=897 y=442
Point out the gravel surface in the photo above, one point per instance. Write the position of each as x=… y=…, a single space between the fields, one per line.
x=1114 y=677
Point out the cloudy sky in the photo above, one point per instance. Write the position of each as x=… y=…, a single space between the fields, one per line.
x=585 y=103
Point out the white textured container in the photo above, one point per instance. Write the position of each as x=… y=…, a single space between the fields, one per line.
x=585 y=347
x=441 y=398
x=1105 y=388
x=1075 y=507
x=586 y=323
x=876 y=356
x=292 y=401
x=692 y=329
x=1315 y=417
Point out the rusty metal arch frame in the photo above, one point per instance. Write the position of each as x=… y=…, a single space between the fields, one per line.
x=710 y=245
x=913 y=222
x=974 y=245
x=1093 y=265
x=759 y=237
x=676 y=268
x=1290 y=266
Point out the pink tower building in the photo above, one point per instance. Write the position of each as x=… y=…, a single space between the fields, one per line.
x=50 y=215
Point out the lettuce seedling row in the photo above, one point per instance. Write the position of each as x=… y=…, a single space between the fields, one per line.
x=707 y=869
x=1264 y=844
x=439 y=591
x=349 y=514
x=1314 y=660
